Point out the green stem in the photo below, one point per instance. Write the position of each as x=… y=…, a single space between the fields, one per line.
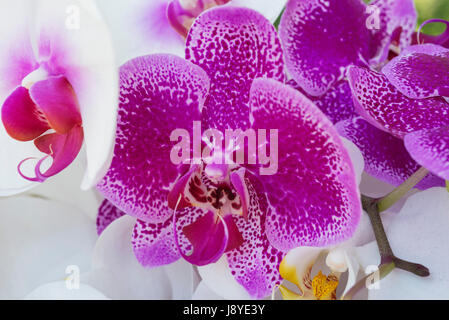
x=371 y=207
x=384 y=270
x=447 y=185
x=390 y=199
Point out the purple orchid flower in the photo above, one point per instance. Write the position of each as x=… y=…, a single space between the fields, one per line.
x=408 y=101
x=232 y=79
x=337 y=34
x=54 y=94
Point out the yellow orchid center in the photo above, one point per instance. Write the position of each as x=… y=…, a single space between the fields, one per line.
x=324 y=287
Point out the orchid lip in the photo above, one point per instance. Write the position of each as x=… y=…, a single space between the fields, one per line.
x=45 y=110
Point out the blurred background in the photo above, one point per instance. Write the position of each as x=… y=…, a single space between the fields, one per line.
x=432 y=9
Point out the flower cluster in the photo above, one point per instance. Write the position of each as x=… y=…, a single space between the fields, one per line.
x=317 y=91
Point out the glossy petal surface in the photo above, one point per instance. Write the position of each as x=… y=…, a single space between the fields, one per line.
x=314 y=192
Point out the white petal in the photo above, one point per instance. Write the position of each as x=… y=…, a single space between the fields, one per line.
x=59 y=291
x=38 y=240
x=356 y=157
x=203 y=292
x=116 y=271
x=16 y=53
x=81 y=47
x=140 y=27
x=64 y=187
x=419 y=234
x=218 y=278
x=181 y=276
x=271 y=9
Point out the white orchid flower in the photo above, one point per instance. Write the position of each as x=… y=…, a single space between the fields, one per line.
x=58 y=89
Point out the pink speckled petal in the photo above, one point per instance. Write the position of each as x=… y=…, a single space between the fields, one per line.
x=382 y=105
x=255 y=264
x=21 y=117
x=396 y=16
x=234 y=46
x=337 y=103
x=322 y=38
x=385 y=155
x=58 y=102
x=430 y=149
x=314 y=193
x=107 y=213
x=422 y=71
x=158 y=94
x=154 y=244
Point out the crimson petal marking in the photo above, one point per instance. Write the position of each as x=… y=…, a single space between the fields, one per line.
x=21 y=117
x=337 y=103
x=158 y=93
x=422 y=71
x=395 y=15
x=63 y=148
x=234 y=46
x=238 y=182
x=385 y=155
x=430 y=149
x=383 y=106
x=107 y=213
x=314 y=194
x=255 y=264
x=321 y=38
x=57 y=100
x=206 y=235
x=154 y=244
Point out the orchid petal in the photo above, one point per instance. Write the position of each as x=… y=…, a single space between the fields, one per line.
x=202 y=292
x=337 y=103
x=297 y=266
x=21 y=118
x=154 y=244
x=39 y=240
x=420 y=71
x=218 y=278
x=141 y=27
x=168 y=93
x=63 y=148
x=356 y=158
x=383 y=106
x=430 y=149
x=107 y=213
x=395 y=16
x=57 y=101
x=312 y=162
x=427 y=230
x=321 y=39
x=17 y=57
x=268 y=8
x=61 y=41
x=116 y=271
x=65 y=188
x=59 y=291
x=234 y=46
x=386 y=157
x=255 y=264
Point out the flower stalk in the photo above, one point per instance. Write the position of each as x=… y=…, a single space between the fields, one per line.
x=390 y=199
